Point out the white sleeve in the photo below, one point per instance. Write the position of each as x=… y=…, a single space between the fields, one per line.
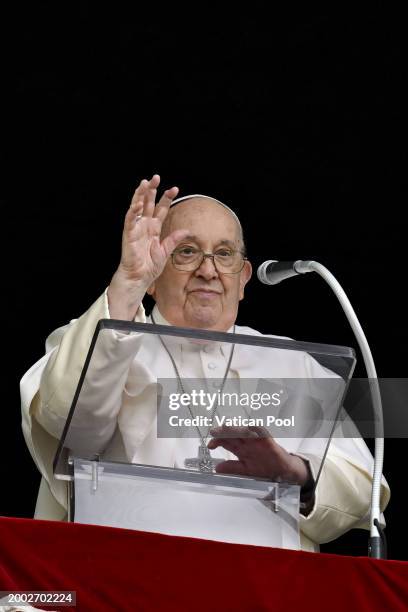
x=48 y=388
x=343 y=492
x=100 y=398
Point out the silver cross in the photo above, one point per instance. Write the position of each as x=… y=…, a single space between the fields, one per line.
x=203 y=462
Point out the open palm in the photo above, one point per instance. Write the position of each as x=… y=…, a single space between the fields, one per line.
x=143 y=254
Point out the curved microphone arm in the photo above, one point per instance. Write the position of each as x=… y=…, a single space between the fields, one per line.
x=301 y=267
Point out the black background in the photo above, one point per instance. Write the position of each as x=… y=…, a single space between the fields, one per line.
x=295 y=119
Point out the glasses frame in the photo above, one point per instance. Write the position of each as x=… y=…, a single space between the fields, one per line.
x=212 y=256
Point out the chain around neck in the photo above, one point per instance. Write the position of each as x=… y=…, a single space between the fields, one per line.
x=180 y=382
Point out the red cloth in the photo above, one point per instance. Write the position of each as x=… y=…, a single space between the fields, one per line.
x=119 y=570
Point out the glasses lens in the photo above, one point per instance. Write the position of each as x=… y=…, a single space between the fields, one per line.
x=187 y=258
x=228 y=261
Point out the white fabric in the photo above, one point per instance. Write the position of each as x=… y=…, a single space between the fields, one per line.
x=118 y=414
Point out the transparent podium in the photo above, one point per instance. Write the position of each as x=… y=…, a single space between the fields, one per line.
x=134 y=446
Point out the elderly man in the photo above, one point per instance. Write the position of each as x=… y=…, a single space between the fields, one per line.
x=190 y=257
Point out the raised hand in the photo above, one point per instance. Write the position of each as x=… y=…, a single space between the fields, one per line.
x=143 y=255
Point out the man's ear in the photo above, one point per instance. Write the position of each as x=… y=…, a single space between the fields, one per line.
x=151 y=290
x=244 y=277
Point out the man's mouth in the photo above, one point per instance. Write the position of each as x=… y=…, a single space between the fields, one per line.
x=204 y=292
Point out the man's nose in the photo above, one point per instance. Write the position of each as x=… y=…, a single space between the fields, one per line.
x=207 y=269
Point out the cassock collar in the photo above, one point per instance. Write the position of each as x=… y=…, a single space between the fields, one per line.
x=160 y=320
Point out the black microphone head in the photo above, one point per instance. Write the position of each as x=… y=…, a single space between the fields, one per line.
x=263 y=269
x=272 y=272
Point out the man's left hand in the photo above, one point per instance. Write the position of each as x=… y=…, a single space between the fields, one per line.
x=258 y=455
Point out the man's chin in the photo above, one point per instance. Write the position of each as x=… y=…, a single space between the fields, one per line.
x=204 y=317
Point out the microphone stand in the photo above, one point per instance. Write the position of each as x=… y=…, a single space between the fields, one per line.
x=377 y=544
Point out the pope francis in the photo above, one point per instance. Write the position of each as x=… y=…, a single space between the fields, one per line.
x=189 y=255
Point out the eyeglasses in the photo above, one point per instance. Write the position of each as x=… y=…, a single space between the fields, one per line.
x=225 y=260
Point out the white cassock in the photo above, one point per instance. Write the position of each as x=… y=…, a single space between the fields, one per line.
x=119 y=415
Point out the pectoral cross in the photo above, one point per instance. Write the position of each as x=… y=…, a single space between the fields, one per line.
x=203 y=462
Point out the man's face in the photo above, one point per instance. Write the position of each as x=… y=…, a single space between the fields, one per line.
x=204 y=298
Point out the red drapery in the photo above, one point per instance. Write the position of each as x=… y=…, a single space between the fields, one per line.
x=119 y=569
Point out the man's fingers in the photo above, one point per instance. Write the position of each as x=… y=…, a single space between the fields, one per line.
x=260 y=432
x=229 y=431
x=133 y=214
x=231 y=467
x=144 y=200
x=140 y=191
x=162 y=208
x=150 y=196
x=234 y=445
x=172 y=240
x=167 y=246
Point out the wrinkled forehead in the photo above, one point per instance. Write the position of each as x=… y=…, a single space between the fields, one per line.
x=203 y=212
x=200 y=196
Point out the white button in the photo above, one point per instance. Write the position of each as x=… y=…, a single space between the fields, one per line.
x=212 y=365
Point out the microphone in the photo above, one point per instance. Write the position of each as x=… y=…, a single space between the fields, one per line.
x=272 y=272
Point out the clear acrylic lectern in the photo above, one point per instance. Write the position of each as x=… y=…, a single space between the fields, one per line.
x=134 y=444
